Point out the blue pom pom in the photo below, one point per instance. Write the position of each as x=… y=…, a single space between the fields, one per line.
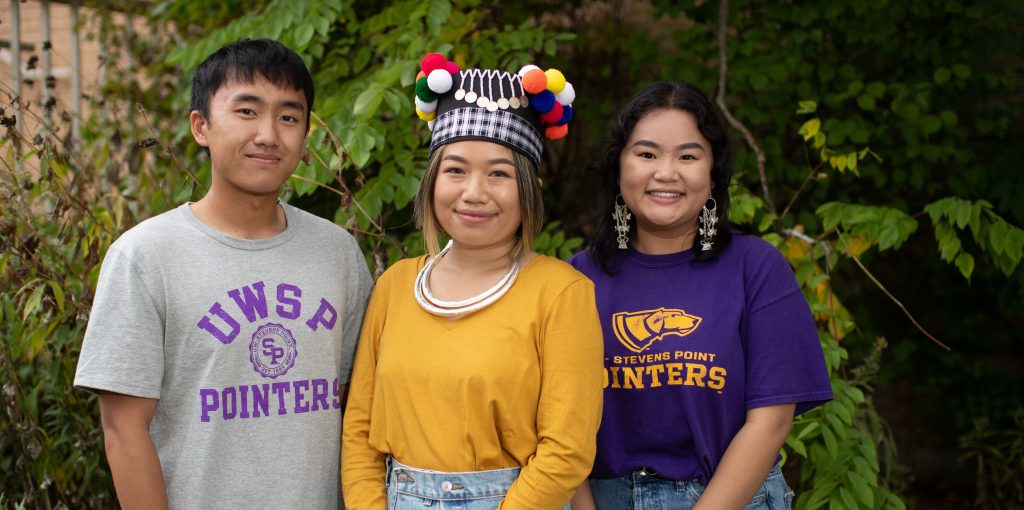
x=566 y=116
x=543 y=102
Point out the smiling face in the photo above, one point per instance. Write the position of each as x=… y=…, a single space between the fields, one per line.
x=255 y=133
x=665 y=179
x=476 y=196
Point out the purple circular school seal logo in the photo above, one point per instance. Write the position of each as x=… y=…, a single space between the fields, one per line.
x=272 y=350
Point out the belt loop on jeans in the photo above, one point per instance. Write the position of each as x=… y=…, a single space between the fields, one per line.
x=646 y=471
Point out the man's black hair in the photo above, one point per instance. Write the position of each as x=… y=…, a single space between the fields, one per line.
x=244 y=61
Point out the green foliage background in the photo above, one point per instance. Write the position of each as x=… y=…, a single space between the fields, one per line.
x=887 y=130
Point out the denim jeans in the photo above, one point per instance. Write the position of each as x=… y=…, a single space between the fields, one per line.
x=638 y=491
x=422 y=489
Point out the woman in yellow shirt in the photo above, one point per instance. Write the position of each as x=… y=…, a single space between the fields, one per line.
x=477 y=380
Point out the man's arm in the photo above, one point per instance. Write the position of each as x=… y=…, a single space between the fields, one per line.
x=134 y=464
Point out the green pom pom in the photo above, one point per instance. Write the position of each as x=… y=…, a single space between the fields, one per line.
x=423 y=91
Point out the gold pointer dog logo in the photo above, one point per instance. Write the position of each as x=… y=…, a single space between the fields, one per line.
x=638 y=330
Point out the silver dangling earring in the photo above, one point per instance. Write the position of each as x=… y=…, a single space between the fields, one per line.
x=621 y=217
x=708 y=220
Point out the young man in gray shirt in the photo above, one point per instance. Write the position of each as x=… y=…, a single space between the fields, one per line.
x=222 y=332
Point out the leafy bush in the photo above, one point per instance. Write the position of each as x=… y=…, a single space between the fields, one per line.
x=857 y=76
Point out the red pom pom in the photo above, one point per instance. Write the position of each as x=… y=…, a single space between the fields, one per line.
x=553 y=115
x=535 y=81
x=556 y=132
x=433 y=61
x=452 y=67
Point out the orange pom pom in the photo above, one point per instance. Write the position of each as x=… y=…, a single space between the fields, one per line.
x=535 y=81
x=556 y=132
x=420 y=75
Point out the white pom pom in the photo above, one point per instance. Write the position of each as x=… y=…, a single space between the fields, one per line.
x=566 y=96
x=430 y=124
x=424 y=106
x=439 y=81
x=527 y=69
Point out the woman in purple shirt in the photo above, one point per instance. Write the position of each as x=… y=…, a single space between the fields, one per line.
x=710 y=346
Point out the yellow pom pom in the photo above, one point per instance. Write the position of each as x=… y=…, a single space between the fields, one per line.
x=556 y=80
x=427 y=116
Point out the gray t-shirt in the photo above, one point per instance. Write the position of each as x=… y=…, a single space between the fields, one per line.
x=245 y=344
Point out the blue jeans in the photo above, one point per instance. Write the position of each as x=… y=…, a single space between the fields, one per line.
x=421 y=489
x=638 y=491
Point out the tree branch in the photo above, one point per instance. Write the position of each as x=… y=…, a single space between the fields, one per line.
x=723 y=66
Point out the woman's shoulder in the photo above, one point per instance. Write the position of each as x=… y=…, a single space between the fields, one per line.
x=554 y=270
x=747 y=242
x=751 y=249
x=403 y=270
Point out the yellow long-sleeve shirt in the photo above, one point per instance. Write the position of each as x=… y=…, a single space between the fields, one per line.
x=515 y=384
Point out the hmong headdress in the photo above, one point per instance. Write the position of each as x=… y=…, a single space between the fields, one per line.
x=515 y=110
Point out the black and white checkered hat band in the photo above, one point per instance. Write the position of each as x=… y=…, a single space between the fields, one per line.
x=500 y=126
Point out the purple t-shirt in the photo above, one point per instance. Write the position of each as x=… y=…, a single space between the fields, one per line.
x=690 y=347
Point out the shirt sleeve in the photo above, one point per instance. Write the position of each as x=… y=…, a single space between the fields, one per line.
x=362 y=466
x=360 y=284
x=783 y=355
x=123 y=347
x=569 y=409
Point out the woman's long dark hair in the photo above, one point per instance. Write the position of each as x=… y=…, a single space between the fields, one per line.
x=659 y=96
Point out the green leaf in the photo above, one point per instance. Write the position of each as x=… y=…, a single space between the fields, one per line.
x=796 y=445
x=962 y=213
x=948 y=248
x=359 y=147
x=847 y=498
x=437 y=14
x=323 y=25
x=33 y=302
x=876 y=89
x=58 y=294
x=948 y=117
x=807 y=107
x=941 y=75
x=368 y=101
x=930 y=124
x=830 y=442
x=394 y=100
x=811 y=427
x=362 y=58
x=965 y=263
x=1014 y=246
x=862 y=487
x=866 y=102
x=895 y=503
x=303 y=35
x=962 y=70
x=819 y=140
x=810 y=128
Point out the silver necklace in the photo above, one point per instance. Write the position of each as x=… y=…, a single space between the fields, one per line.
x=430 y=303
